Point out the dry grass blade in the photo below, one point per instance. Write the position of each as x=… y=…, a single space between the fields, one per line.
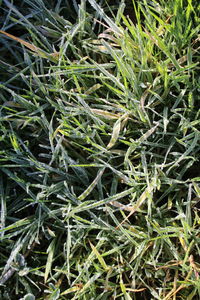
x=37 y=50
x=145 y=195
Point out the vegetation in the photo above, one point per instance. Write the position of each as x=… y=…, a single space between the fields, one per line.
x=99 y=149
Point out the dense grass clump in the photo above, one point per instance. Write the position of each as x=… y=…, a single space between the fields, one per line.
x=99 y=149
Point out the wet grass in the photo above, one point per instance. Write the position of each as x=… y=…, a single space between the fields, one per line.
x=99 y=150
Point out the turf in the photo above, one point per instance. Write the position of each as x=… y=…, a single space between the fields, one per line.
x=99 y=149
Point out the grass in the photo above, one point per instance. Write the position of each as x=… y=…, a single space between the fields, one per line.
x=99 y=150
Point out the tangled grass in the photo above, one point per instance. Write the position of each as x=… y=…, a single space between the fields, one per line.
x=99 y=150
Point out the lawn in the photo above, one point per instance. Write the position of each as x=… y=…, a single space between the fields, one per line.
x=100 y=149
